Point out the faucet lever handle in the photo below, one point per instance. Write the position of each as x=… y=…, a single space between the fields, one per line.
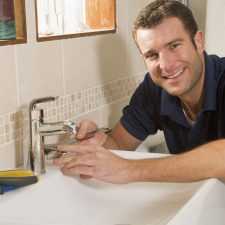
x=71 y=127
x=41 y=100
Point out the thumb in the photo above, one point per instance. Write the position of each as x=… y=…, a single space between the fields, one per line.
x=81 y=134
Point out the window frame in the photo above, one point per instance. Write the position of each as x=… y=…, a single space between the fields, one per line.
x=76 y=35
x=20 y=21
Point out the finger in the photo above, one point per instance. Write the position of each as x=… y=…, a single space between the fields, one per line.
x=76 y=148
x=86 y=142
x=85 y=127
x=98 y=139
x=78 y=170
x=85 y=177
x=62 y=160
x=81 y=133
x=81 y=160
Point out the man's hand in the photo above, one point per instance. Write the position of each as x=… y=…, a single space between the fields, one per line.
x=204 y=162
x=94 y=161
x=85 y=128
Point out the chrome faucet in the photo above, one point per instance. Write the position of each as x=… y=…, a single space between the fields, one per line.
x=39 y=129
x=39 y=150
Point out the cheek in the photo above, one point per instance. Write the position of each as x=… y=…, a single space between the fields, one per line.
x=189 y=54
x=155 y=77
x=152 y=69
x=154 y=73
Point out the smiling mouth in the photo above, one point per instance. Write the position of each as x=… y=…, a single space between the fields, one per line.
x=175 y=75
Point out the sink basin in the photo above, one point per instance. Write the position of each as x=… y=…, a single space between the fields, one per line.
x=60 y=200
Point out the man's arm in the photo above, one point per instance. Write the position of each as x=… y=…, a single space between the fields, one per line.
x=206 y=161
x=119 y=138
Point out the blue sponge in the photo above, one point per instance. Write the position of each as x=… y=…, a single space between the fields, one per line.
x=5 y=188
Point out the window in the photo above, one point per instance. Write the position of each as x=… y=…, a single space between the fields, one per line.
x=12 y=22
x=57 y=19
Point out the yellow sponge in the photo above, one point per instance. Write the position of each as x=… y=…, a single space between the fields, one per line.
x=18 y=177
x=16 y=173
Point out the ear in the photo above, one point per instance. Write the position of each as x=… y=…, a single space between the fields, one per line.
x=199 y=41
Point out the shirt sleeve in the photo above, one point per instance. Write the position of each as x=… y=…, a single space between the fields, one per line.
x=142 y=116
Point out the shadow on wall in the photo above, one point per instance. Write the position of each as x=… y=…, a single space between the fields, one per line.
x=112 y=66
x=198 y=9
x=117 y=60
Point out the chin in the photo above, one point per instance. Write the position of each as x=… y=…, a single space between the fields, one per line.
x=175 y=92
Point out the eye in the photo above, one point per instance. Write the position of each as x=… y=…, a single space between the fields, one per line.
x=151 y=56
x=174 y=46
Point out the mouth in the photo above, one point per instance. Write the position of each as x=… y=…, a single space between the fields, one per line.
x=174 y=75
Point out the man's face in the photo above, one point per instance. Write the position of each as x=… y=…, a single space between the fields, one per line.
x=171 y=58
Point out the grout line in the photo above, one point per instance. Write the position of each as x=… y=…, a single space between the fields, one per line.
x=63 y=68
x=17 y=78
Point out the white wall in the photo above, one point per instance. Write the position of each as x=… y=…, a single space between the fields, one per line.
x=211 y=20
x=198 y=8
x=215 y=29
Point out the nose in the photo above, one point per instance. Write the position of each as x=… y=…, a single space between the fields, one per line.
x=166 y=61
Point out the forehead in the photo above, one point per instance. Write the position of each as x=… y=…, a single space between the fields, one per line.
x=169 y=29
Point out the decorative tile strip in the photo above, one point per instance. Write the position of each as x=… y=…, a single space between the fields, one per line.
x=14 y=126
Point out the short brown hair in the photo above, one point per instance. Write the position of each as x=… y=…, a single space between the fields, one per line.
x=154 y=13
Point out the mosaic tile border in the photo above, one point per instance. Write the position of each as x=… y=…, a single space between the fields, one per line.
x=69 y=107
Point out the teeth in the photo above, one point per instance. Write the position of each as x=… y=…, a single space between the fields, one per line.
x=175 y=75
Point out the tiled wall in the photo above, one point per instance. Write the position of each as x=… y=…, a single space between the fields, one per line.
x=69 y=107
x=14 y=126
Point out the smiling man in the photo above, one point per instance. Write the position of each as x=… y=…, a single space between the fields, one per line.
x=183 y=94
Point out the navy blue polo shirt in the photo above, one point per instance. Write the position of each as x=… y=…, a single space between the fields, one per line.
x=152 y=108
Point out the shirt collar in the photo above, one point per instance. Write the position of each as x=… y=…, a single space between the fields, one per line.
x=211 y=84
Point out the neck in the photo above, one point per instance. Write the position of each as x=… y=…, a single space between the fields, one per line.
x=192 y=105
x=192 y=101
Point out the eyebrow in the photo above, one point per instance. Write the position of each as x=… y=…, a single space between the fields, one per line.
x=167 y=44
x=173 y=41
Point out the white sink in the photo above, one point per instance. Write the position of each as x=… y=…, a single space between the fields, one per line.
x=206 y=207
x=60 y=200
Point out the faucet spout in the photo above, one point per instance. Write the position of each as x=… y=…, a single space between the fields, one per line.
x=36 y=152
x=39 y=113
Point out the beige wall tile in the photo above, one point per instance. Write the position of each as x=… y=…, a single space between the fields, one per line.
x=8 y=92
x=135 y=63
x=111 y=114
x=111 y=57
x=8 y=157
x=39 y=70
x=94 y=116
x=81 y=63
x=113 y=47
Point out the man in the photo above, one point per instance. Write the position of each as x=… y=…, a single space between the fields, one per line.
x=183 y=95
